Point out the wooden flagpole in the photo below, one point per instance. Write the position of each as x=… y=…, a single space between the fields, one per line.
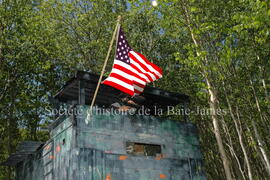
x=105 y=63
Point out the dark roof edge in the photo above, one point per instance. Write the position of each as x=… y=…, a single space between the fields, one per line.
x=89 y=76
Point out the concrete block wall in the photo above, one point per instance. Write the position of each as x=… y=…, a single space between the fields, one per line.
x=95 y=149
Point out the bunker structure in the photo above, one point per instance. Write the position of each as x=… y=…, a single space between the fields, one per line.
x=109 y=145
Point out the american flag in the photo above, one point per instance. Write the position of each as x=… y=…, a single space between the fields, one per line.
x=131 y=70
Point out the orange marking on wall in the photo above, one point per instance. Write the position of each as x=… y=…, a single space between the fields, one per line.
x=163 y=155
x=108 y=177
x=123 y=157
x=162 y=176
x=159 y=157
x=58 y=148
x=51 y=157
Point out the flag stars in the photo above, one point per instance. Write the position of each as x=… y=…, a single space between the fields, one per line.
x=122 y=48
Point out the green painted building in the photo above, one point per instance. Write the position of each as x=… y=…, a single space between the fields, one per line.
x=121 y=139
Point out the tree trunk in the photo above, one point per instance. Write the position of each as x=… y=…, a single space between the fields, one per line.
x=261 y=147
x=9 y=137
x=213 y=105
x=239 y=134
x=263 y=82
x=256 y=148
x=232 y=151
x=213 y=98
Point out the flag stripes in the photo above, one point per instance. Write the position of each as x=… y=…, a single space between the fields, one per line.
x=131 y=70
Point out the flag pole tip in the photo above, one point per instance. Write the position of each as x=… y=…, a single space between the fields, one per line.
x=119 y=18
